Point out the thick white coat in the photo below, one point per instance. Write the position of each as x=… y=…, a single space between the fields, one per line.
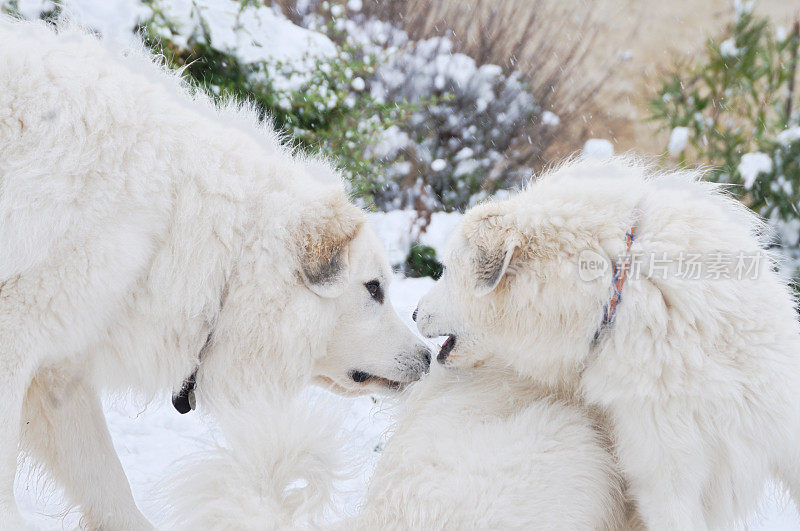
x=487 y=449
x=138 y=219
x=476 y=449
x=699 y=376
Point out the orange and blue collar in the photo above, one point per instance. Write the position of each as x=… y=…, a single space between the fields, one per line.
x=618 y=280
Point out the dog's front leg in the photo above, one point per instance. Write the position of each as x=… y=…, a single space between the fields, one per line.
x=14 y=379
x=66 y=431
x=665 y=464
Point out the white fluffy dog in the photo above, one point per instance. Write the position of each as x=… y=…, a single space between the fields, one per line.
x=697 y=367
x=482 y=449
x=486 y=449
x=148 y=239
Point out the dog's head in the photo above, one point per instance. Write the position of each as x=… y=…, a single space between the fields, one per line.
x=307 y=303
x=512 y=286
x=344 y=265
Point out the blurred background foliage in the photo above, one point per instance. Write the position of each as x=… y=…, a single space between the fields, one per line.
x=411 y=120
x=430 y=107
x=734 y=111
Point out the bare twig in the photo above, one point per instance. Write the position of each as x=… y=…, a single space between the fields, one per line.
x=795 y=44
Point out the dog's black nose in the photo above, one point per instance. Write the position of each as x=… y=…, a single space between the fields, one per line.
x=414 y=315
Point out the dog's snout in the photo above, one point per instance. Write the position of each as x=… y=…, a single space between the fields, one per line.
x=419 y=364
x=425 y=354
x=421 y=318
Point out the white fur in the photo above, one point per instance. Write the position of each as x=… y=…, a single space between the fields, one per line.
x=481 y=449
x=137 y=219
x=700 y=379
x=486 y=449
x=276 y=475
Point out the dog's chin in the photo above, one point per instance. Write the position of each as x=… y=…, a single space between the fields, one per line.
x=447 y=348
x=371 y=384
x=459 y=353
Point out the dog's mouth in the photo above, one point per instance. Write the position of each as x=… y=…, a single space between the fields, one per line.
x=447 y=348
x=365 y=382
x=365 y=378
x=371 y=384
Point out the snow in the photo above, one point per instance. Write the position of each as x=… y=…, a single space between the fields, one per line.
x=789 y=232
x=398 y=229
x=597 y=148
x=32 y=8
x=395 y=230
x=287 y=55
x=358 y=84
x=115 y=18
x=392 y=140
x=465 y=153
x=148 y=440
x=439 y=229
x=789 y=136
x=728 y=48
x=466 y=167
x=752 y=165
x=337 y=11
x=743 y=7
x=678 y=140
x=255 y=34
x=550 y=118
x=484 y=94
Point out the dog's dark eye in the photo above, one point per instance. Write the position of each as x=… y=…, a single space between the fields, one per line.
x=375 y=290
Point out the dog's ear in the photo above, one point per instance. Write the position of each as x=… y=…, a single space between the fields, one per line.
x=490 y=268
x=325 y=247
x=492 y=241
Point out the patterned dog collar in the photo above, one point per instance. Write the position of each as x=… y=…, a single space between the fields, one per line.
x=618 y=281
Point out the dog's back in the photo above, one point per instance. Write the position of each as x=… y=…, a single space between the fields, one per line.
x=95 y=136
x=701 y=367
x=488 y=450
x=72 y=123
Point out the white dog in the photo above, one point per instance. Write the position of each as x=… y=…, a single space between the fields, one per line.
x=486 y=449
x=148 y=239
x=698 y=371
x=482 y=449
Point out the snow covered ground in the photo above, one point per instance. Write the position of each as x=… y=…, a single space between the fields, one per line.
x=151 y=440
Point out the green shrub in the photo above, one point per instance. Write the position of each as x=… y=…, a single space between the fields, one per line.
x=322 y=112
x=422 y=262
x=736 y=107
